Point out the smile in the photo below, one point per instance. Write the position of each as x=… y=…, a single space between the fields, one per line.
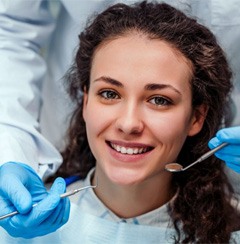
x=129 y=150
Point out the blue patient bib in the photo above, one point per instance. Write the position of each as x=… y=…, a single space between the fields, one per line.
x=86 y=228
x=83 y=228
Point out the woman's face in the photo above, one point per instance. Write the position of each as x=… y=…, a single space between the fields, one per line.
x=138 y=109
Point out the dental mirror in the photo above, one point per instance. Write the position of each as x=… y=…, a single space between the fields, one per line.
x=175 y=167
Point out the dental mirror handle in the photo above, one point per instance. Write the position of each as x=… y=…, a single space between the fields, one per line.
x=175 y=167
x=206 y=155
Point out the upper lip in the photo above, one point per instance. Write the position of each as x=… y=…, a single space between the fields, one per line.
x=130 y=144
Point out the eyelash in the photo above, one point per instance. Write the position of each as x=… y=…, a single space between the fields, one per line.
x=164 y=101
x=105 y=94
x=112 y=95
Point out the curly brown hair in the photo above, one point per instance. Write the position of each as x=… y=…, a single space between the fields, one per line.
x=201 y=211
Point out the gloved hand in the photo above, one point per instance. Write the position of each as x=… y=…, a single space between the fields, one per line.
x=20 y=188
x=230 y=153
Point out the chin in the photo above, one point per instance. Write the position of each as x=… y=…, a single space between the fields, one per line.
x=125 y=177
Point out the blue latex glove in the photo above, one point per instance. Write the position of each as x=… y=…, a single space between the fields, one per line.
x=230 y=153
x=20 y=187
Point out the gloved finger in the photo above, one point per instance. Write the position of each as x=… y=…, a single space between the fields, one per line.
x=43 y=209
x=61 y=214
x=5 y=205
x=234 y=167
x=50 y=224
x=55 y=215
x=5 y=208
x=64 y=213
x=59 y=217
x=38 y=213
x=59 y=186
x=30 y=226
x=229 y=149
x=231 y=135
x=228 y=158
x=62 y=218
x=232 y=150
x=13 y=189
x=214 y=142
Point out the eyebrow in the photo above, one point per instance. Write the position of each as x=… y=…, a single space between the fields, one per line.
x=109 y=80
x=148 y=87
x=154 y=86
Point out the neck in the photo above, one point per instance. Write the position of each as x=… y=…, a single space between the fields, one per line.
x=128 y=201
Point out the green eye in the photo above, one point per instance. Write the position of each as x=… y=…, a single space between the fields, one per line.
x=160 y=101
x=109 y=94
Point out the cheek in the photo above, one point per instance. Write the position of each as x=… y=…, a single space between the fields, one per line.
x=171 y=128
x=93 y=125
x=170 y=136
x=96 y=118
x=92 y=118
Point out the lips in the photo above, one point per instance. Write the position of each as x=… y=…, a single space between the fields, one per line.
x=130 y=150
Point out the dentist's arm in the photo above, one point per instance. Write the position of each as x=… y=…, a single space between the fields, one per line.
x=25 y=29
x=26 y=157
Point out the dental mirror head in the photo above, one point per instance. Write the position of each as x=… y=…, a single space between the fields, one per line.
x=175 y=167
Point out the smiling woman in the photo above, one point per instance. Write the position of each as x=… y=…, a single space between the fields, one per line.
x=152 y=95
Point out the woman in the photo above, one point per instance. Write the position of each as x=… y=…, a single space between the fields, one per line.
x=155 y=85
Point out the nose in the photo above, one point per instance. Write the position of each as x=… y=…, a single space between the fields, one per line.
x=130 y=120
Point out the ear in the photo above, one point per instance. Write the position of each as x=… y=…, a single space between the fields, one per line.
x=85 y=100
x=197 y=120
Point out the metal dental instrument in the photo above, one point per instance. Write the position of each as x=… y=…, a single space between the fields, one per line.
x=175 y=167
x=66 y=194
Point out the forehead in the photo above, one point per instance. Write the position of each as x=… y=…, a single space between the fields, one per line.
x=139 y=56
x=144 y=41
x=137 y=36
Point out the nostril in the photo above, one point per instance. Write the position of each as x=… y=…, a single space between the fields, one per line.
x=130 y=126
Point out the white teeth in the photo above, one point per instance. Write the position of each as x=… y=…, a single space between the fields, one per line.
x=128 y=150
x=123 y=150
x=135 y=150
x=117 y=148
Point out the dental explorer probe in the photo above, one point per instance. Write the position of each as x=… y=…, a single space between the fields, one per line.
x=66 y=194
